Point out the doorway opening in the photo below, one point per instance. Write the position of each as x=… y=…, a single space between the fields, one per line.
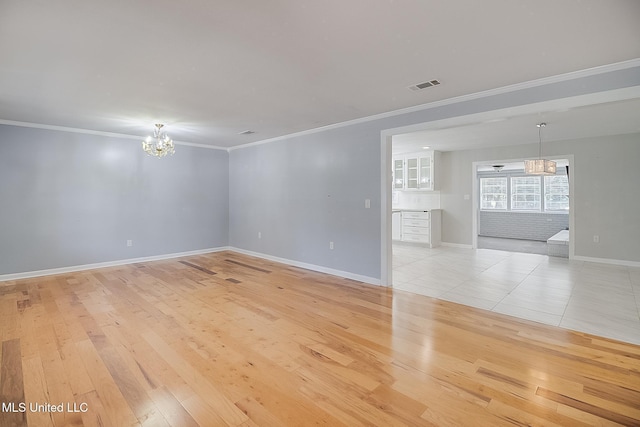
x=495 y=131
x=516 y=212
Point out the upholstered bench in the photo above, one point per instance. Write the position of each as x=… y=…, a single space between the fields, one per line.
x=558 y=244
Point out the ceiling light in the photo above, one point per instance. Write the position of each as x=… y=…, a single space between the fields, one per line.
x=425 y=148
x=158 y=145
x=540 y=166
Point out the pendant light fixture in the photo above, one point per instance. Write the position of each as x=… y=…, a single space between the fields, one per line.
x=540 y=166
x=158 y=145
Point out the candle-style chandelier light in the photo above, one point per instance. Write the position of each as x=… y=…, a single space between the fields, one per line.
x=158 y=145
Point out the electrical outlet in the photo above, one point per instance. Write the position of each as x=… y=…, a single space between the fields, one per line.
x=259 y=235
x=129 y=242
x=596 y=238
x=367 y=203
x=331 y=245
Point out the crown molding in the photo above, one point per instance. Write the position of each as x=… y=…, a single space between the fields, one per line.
x=99 y=133
x=458 y=99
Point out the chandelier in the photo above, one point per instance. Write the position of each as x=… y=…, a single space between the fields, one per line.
x=158 y=145
x=540 y=166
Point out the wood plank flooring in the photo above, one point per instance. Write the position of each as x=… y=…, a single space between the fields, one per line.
x=224 y=339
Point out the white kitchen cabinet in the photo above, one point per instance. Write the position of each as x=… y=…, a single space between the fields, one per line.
x=422 y=227
x=425 y=172
x=414 y=171
x=396 y=225
x=398 y=173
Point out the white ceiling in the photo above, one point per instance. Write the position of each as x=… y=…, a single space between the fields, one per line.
x=211 y=69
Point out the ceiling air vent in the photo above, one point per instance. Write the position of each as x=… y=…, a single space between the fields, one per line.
x=424 y=85
x=246 y=132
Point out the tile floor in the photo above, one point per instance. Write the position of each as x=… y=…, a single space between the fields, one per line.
x=599 y=299
x=512 y=245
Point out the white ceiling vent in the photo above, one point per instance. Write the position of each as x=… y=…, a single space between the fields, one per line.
x=424 y=85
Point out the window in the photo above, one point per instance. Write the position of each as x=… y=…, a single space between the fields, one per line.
x=526 y=193
x=556 y=193
x=493 y=193
x=512 y=191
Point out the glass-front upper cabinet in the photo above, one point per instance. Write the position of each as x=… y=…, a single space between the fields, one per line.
x=398 y=173
x=426 y=177
x=413 y=171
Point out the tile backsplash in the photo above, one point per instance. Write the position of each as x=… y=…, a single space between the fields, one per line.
x=416 y=200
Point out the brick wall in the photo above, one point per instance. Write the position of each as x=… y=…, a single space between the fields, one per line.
x=521 y=225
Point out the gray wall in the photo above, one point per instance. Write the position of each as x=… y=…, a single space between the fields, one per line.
x=606 y=195
x=521 y=225
x=304 y=192
x=71 y=199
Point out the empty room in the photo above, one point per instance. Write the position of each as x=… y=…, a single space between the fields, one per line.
x=291 y=213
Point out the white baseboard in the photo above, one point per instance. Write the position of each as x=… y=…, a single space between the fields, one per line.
x=71 y=269
x=321 y=269
x=607 y=261
x=456 y=245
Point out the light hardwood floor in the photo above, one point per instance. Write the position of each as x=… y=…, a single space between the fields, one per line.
x=226 y=339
